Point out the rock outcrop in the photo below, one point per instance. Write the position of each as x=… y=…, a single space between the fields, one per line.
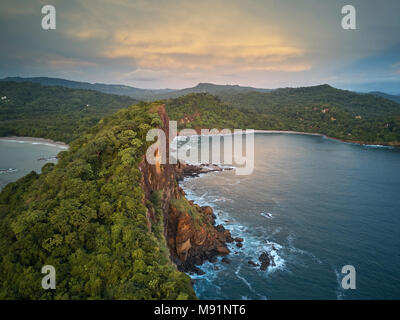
x=189 y=230
x=192 y=238
x=189 y=170
x=266 y=260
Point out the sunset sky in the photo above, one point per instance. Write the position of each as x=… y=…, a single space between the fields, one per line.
x=176 y=44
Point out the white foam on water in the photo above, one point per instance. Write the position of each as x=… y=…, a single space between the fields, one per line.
x=377 y=146
x=222 y=199
x=9 y=170
x=248 y=283
x=39 y=143
x=293 y=249
x=339 y=290
x=267 y=215
x=244 y=279
x=211 y=271
x=253 y=245
x=235 y=183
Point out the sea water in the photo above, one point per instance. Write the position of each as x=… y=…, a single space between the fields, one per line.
x=315 y=205
x=18 y=158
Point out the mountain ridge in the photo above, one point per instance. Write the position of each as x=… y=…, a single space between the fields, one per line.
x=61 y=114
x=137 y=93
x=393 y=97
x=118 y=89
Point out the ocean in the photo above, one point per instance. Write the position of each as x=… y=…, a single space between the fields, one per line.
x=315 y=205
x=18 y=158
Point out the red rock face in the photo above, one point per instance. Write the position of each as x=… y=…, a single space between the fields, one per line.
x=192 y=242
x=192 y=239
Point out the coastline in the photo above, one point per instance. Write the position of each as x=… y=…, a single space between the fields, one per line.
x=355 y=142
x=363 y=143
x=32 y=140
x=261 y=255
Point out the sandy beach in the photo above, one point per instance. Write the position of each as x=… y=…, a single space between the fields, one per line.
x=364 y=143
x=32 y=140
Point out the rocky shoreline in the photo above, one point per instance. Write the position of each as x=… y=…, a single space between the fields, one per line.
x=205 y=245
x=265 y=259
x=189 y=170
x=189 y=230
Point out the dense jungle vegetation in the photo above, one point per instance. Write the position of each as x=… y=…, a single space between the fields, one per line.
x=316 y=110
x=62 y=114
x=85 y=216
x=58 y=113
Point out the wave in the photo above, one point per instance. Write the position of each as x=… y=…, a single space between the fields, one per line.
x=293 y=249
x=267 y=215
x=222 y=199
x=377 y=146
x=248 y=283
x=55 y=145
x=211 y=271
x=9 y=170
x=253 y=245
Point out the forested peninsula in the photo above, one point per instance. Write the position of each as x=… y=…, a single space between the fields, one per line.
x=115 y=227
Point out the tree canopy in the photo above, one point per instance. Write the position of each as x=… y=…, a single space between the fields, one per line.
x=86 y=217
x=57 y=113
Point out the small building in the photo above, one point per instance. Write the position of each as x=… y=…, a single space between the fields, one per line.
x=358 y=117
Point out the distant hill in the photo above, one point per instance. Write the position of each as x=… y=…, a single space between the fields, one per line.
x=322 y=109
x=286 y=100
x=58 y=113
x=395 y=98
x=214 y=89
x=138 y=94
x=62 y=113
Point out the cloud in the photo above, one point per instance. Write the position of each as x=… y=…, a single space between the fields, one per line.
x=179 y=43
x=186 y=35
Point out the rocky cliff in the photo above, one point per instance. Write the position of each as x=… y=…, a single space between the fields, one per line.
x=189 y=230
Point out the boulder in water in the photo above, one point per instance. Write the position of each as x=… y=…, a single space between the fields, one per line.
x=266 y=261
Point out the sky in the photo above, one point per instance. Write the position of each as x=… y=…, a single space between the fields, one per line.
x=179 y=43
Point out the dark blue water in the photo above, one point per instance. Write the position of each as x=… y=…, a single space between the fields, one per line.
x=315 y=205
x=22 y=157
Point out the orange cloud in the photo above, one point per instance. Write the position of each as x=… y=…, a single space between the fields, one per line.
x=185 y=48
x=186 y=35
